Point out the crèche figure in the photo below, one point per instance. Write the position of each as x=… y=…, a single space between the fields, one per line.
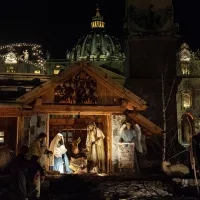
x=95 y=148
x=128 y=135
x=133 y=134
x=59 y=155
x=36 y=149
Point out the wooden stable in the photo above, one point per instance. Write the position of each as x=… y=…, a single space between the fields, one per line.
x=56 y=97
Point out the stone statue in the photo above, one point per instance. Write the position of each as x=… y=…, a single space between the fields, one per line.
x=47 y=55
x=67 y=55
x=26 y=55
x=107 y=53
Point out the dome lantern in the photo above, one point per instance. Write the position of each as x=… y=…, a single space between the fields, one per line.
x=97 y=20
x=98 y=46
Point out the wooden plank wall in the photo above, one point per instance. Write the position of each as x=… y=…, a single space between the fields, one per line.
x=48 y=97
x=106 y=96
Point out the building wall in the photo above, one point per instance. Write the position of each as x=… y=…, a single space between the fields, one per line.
x=188 y=94
x=9 y=126
x=148 y=58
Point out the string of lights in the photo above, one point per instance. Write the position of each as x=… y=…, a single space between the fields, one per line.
x=35 y=51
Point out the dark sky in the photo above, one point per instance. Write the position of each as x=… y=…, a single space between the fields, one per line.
x=58 y=25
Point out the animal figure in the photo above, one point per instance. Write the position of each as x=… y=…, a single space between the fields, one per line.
x=75 y=148
x=78 y=165
x=175 y=170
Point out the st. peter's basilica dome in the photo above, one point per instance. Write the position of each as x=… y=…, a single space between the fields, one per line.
x=97 y=45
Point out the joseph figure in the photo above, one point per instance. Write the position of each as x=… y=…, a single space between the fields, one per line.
x=95 y=148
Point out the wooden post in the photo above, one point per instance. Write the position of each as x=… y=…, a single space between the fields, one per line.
x=109 y=144
x=20 y=133
x=47 y=139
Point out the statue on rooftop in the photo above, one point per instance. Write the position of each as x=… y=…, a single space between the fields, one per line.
x=26 y=54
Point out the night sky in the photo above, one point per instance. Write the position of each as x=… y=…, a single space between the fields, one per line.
x=58 y=25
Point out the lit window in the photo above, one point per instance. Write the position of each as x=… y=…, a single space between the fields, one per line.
x=37 y=71
x=186 y=100
x=2 y=137
x=185 y=68
x=56 y=70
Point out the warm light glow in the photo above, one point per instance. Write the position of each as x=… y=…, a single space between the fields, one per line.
x=187 y=113
x=37 y=71
x=103 y=174
x=187 y=100
x=56 y=71
x=97 y=24
x=10 y=58
x=1 y=137
x=185 y=68
x=10 y=69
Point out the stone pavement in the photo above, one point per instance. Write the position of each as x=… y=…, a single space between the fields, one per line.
x=109 y=188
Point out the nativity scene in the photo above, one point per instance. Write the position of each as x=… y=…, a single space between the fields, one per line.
x=83 y=112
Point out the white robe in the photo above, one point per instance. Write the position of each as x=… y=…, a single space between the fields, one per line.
x=57 y=151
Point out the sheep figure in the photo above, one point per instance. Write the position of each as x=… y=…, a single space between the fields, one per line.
x=175 y=170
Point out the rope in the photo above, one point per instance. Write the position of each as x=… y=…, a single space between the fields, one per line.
x=178 y=154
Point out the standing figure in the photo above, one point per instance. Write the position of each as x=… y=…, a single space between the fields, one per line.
x=129 y=135
x=95 y=148
x=67 y=55
x=35 y=148
x=26 y=55
x=138 y=141
x=59 y=154
x=101 y=150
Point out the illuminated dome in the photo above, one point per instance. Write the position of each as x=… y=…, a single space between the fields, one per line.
x=97 y=45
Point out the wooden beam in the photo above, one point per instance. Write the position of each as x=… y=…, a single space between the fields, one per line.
x=7 y=105
x=47 y=139
x=16 y=113
x=122 y=92
x=144 y=122
x=76 y=109
x=41 y=89
x=109 y=144
x=38 y=101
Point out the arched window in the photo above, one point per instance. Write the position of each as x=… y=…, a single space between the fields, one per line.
x=186 y=99
x=186 y=130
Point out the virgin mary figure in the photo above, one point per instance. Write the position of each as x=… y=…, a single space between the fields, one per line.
x=59 y=155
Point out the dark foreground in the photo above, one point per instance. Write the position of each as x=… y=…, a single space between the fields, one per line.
x=114 y=187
